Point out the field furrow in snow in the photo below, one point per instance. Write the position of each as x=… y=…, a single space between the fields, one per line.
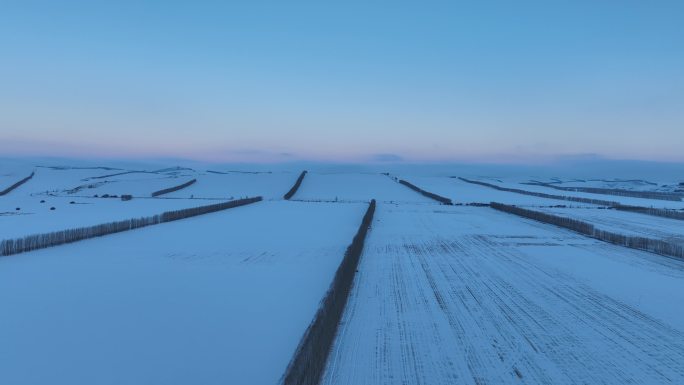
x=222 y=298
x=474 y=296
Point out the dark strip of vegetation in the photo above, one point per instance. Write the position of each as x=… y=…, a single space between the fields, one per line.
x=62 y=168
x=12 y=187
x=656 y=246
x=174 y=188
x=660 y=195
x=117 y=174
x=294 y=188
x=543 y=195
x=239 y=172
x=568 y=223
x=308 y=363
x=666 y=213
x=40 y=241
x=428 y=194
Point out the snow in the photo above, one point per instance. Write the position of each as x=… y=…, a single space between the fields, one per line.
x=35 y=217
x=634 y=185
x=219 y=299
x=630 y=201
x=143 y=179
x=239 y=184
x=443 y=295
x=58 y=187
x=624 y=222
x=463 y=192
x=356 y=187
x=471 y=295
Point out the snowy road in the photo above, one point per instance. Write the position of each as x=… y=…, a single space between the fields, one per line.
x=472 y=296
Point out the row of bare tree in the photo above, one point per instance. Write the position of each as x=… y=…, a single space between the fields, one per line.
x=12 y=187
x=40 y=241
x=438 y=198
x=648 y=244
x=308 y=363
x=660 y=195
x=295 y=187
x=665 y=213
x=568 y=223
x=542 y=195
x=174 y=188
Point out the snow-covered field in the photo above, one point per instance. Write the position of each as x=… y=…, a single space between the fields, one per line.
x=443 y=294
x=463 y=192
x=35 y=217
x=28 y=209
x=461 y=295
x=624 y=222
x=218 y=299
x=356 y=187
x=238 y=185
x=621 y=184
x=630 y=201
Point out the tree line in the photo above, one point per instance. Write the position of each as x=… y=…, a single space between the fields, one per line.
x=308 y=363
x=12 y=187
x=40 y=241
x=568 y=223
x=295 y=187
x=647 y=244
x=665 y=213
x=428 y=194
x=660 y=195
x=174 y=188
x=542 y=195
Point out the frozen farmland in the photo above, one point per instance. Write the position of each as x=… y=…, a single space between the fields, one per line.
x=148 y=274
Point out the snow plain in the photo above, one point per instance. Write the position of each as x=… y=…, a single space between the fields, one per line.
x=218 y=299
x=624 y=222
x=59 y=186
x=462 y=295
x=463 y=192
x=629 y=201
x=443 y=294
x=356 y=187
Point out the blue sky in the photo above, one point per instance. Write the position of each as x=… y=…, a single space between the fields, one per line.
x=504 y=81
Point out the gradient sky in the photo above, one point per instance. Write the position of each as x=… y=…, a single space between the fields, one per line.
x=345 y=81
